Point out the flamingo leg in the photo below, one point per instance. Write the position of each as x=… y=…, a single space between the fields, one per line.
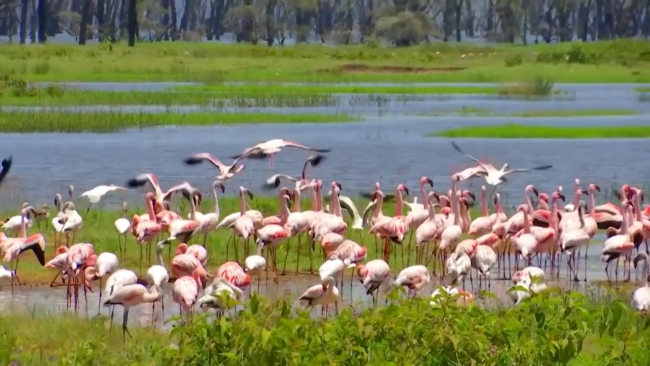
x=140 y=273
x=298 y=250
x=586 y=251
x=99 y=306
x=125 y=330
x=408 y=254
x=286 y=256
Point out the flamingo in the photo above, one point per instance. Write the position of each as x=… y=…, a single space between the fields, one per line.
x=641 y=296
x=119 y=278
x=132 y=295
x=526 y=243
x=234 y=273
x=283 y=202
x=181 y=229
x=275 y=180
x=458 y=266
x=161 y=198
x=323 y=294
x=182 y=264
x=122 y=226
x=147 y=230
x=530 y=272
x=73 y=222
x=499 y=216
x=571 y=207
x=157 y=276
x=210 y=220
x=225 y=171
x=447 y=292
x=6 y=166
x=483 y=259
x=373 y=275
x=575 y=238
x=387 y=227
x=243 y=226
x=620 y=244
x=297 y=223
x=611 y=208
x=331 y=222
x=414 y=278
x=428 y=231
x=13 y=224
x=79 y=256
x=197 y=251
x=271 y=147
x=333 y=267
x=57 y=226
x=214 y=294
x=529 y=287
x=186 y=289
x=5 y=273
x=270 y=236
x=13 y=247
x=481 y=225
x=451 y=234
x=105 y=264
x=96 y=194
x=254 y=265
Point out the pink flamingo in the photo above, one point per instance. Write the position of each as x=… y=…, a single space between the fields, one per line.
x=427 y=232
x=243 y=225
x=611 y=208
x=269 y=236
x=619 y=245
x=132 y=295
x=281 y=218
x=225 y=171
x=13 y=247
x=481 y=225
x=271 y=147
x=331 y=222
x=235 y=274
x=499 y=216
x=197 y=251
x=184 y=265
x=451 y=234
x=387 y=227
x=526 y=243
x=414 y=278
x=372 y=275
x=297 y=223
x=147 y=230
x=187 y=288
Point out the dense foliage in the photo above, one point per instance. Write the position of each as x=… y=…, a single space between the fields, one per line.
x=554 y=328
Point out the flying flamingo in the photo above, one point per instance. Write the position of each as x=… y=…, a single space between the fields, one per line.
x=123 y=226
x=414 y=278
x=225 y=171
x=495 y=177
x=481 y=225
x=161 y=198
x=641 y=296
x=373 y=275
x=243 y=226
x=6 y=166
x=619 y=245
x=96 y=194
x=271 y=147
x=323 y=294
x=186 y=289
x=132 y=295
x=275 y=180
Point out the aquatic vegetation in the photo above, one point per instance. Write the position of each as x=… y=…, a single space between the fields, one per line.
x=544 y=113
x=550 y=328
x=59 y=120
x=515 y=131
x=340 y=89
x=537 y=87
x=603 y=61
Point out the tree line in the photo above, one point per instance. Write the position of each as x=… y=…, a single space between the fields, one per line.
x=398 y=22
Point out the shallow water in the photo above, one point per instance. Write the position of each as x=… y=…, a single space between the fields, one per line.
x=290 y=286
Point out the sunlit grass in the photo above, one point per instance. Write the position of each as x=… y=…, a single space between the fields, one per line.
x=56 y=120
x=512 y=131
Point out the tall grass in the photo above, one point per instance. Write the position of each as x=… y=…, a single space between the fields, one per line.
x=515 y=131
x=613 y=61
x=57 y=120
x=537 y=87
x=554 y=328
x=343 y=89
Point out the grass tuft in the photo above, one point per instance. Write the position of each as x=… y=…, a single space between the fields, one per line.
x=57 y=120
x=516 y=131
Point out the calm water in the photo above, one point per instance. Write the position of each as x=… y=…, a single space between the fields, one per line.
x=389 y=147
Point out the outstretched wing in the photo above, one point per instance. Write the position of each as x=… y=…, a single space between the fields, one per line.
x=301 y=146
x=541 y=167
x=457 y=148
x=142 y=179
x=6 y=166
x=198 y=158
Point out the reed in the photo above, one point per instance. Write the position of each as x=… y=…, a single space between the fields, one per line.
x=59 y=120
x=612 y=61
x=517 y=131
x=275 y=88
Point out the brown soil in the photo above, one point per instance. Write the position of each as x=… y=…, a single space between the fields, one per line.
x=396 y=69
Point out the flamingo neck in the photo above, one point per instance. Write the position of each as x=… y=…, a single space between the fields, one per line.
x=530 y=205
x=454 y=203
x=543 y=205
x=499 y=207
x=399 y=203
x=378 y=206
x=553 y=219
x=484 y=210
x=296 y=204
x=319 y=199
x=159 y=250
x=314 y=200
x=150 y=211
x=335 y=205
x=526 y=223
x=425 y=201
x=284 y=209
x=637 y=209
x=242 y=203
x=216 y=202
x=625 y=224
x=592 y=204
x=23 y=229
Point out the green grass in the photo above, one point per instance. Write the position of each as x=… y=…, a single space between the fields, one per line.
x=57 y=120
x=342 y=89
x=604 y=62
x=481 y=112
x=514 y=131
x=552 y=328
x=228 y=98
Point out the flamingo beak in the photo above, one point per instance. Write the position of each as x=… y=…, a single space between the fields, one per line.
x=536 y=192
x=597 y=187
x=250 y=194
x=338 y=185
x=472 y=195
x=562 y=198
x=222 y=187
x=430 y=181
x=436 y=196
x=406 y=190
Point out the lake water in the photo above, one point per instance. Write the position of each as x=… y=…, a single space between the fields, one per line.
x=389 y=147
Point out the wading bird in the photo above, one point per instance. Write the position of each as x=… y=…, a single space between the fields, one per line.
x=129 y=296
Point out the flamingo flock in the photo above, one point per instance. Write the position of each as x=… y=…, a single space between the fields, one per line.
x=449 y=244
